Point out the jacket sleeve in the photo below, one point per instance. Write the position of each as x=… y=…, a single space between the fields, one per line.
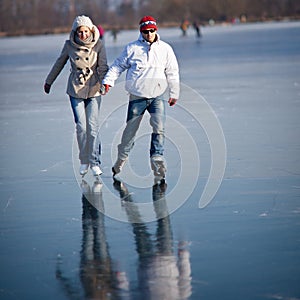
x=172 y=74
x=119 y=65
x=58 y=65
x=102 y=63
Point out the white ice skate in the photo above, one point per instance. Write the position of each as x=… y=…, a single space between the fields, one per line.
x=83 y=169
x=96 y=171
x=159 y=169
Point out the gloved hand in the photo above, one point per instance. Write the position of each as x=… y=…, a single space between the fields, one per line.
x=104 y=89
x=47 y=88
x=172 y=101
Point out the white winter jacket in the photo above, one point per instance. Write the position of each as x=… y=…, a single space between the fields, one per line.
x=151 y=69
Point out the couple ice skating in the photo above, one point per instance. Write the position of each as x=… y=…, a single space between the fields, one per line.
x=151 y=67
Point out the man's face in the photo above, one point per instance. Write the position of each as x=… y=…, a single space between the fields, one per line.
x=149 y=34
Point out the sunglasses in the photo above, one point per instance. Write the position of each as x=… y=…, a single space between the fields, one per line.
x=147 y=31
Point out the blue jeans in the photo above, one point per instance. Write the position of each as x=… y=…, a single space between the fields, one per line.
x=86 y=116
x=136 y=110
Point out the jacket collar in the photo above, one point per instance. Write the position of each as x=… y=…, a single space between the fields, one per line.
x=142 y=40
x=95 y=40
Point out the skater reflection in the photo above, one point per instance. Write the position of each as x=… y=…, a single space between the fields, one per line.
x=97 y=277
x=161 y=275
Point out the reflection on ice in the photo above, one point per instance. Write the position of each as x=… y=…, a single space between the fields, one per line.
x=96 y=274
x=161 y=273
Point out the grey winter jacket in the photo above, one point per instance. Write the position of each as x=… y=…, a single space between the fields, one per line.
x=88 y=67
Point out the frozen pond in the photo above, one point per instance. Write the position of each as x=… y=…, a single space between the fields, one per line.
x=233 y=146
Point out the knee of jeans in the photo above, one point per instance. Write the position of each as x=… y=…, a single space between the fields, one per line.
x=134 y=116
x=159 y=131
x=94 y=132
x=157 y=126
x=80 y=128
x=93 y=128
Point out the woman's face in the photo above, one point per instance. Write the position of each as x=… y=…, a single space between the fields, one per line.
x=83 y=32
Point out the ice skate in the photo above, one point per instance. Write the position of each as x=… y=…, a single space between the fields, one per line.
x=96 y=172
x=117 y=168
x=83 y=169
x=159 y=169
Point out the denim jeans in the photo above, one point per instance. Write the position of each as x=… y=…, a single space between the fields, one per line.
x=86 y=116
x=136 y=110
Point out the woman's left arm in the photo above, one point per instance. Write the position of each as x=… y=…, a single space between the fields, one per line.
x=102 y=66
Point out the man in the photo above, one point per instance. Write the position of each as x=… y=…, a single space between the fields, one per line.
x=151 y=68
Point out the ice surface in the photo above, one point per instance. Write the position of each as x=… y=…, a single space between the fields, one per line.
x=243 y=245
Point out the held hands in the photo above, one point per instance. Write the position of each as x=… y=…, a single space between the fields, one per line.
x=104 y=89
x=47 y=88
x=172 y=101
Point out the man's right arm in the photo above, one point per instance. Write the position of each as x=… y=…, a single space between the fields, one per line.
x=119 y=65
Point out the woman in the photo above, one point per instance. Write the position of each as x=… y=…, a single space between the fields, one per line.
x=87 y=56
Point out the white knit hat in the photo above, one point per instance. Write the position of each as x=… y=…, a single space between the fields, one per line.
x=82 y=21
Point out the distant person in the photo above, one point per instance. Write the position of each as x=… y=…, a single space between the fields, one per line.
x=196 y=26
x=114 y=32
x=243 y=18
x=87 y=57
x=101 y=31
x=184 y=27
x=151 y=68
x=211 y=22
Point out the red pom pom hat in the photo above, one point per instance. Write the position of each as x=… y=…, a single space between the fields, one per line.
x=147 y=22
